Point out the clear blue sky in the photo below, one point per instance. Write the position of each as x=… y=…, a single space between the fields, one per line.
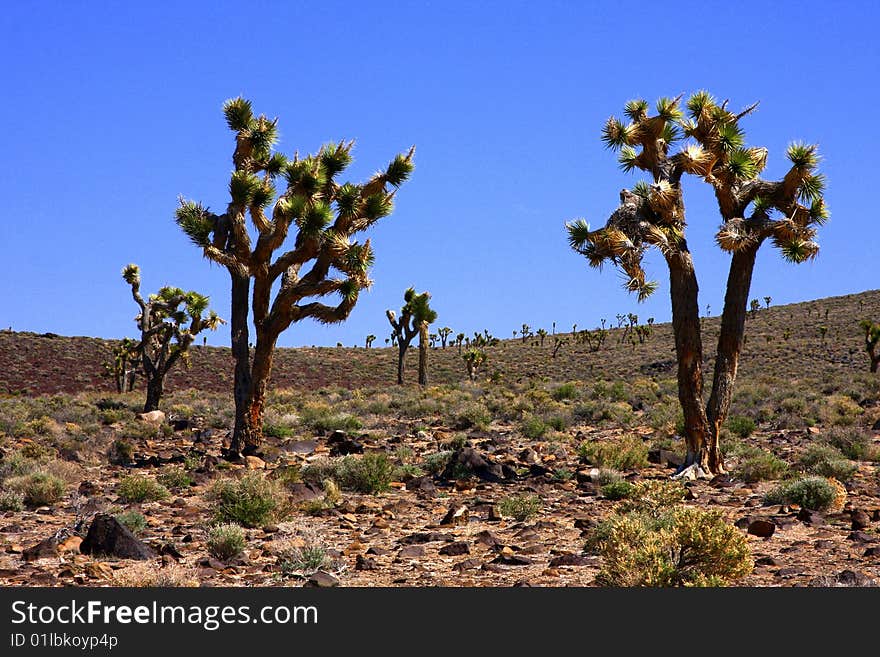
x=112 y=110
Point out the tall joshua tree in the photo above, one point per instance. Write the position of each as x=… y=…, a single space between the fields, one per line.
x=415 y=316
x=753 y=210
x=872 y=339
x=321 y=260
x=168 y=321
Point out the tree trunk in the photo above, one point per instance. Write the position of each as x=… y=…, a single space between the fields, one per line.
x=261 y=369
x=689 y=353
x=401 y=364
x=423 y=354
x=155 y=386
x=730 y=343
x=874 y=363
x=238 y=324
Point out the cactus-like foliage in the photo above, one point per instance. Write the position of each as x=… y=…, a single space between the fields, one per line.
x=415 y=316
x=787 y=212
x=473 y=359
x=299 y=202
x=124 y=365
x=168 y=321
x=444 y=334
x=872 y=339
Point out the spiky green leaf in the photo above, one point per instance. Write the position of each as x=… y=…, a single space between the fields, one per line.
x=636 y=109
x=195 y=222
x=348 y=199
x=243 y=186
x=628 y=158
x=730 y=136
x=399 y=170
x=802 y=155
x=131 y=274
x=238 y=113
x=741 y=164
x=263 y=194
x=667 y=109
x=578 y=233
x=378 y=205
x=335 y=158
x=811 y=188
x=616 y=134
x=698 y=102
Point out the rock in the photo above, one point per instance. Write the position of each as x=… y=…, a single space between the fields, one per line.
x=455 y=549
x=467 y=459
x=665 y=457
x=487 y=538
x=872 y=552
x=365 y=563
x=456 y=516
x=152 y=417
x=570 y=560
x=529 y=456
x=322 y=580
x=422 y=485
x=378 y=551
x=860 y=520
x=468 y=564
x=254 y=463
x=411 y=552
x=492 y=567
x=845 y=578
x=512 y=560
x=584 y=523
x=423 y=537
x=787 y=572
x=761 y=528
x=766 y=561
x=876 y=426
x=70 y=544
x=98 y=570
x=87 y=488
x=107 y=535
x=46 y=548
x=301 y=446
x=861 y=537
x=494 y=514
x=341 y=445
x=211 y=562
x=300 y=492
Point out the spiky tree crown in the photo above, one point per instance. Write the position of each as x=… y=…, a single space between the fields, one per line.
x=324 y=213
x=652 y=214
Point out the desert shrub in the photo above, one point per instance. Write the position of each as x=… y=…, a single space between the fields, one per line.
x=305 y=556
x=120 y=452
x=816 y=493
x=520 y=507
x=653 y=497
x=138 y=488
x=37 y=488
x=608 y=476
x=664 y=416
x=622 y=454
x=318 y=470
x=557 y=422
x=275 y=430
x=133 y=520
x=565 y=391
x=226 y=541
x=827 y=461
x=471 y=415
x=145 y=574
x=840 y=410
x=436 y=463
x=176 y=479
x=741 y=425
x=322 y=419
x=11 y=500
x=853 y=442
x=793 y=405
x=369 y=473
x=533 y=427
x=756 y=464
x=617 y=490
x=252 y=501
x=17 y=464
x=682 y=547
x=37 y=451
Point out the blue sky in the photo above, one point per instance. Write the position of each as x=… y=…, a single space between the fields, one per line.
x=112 y=110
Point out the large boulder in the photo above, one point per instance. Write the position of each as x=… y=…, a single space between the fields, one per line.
x=108 y=536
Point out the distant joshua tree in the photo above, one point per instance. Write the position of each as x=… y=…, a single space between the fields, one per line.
x=542 y=334
x=459 y=339
x=558 y=343
x=525 y=332
x=767 y=301
x=754 y=306
x=872 y=338
x=786 y=213
x=370 y=339
x=125 y=364
x=316 y=216
x=165 y=334
x=444 y=334
x=473 y=359
x=415 y=316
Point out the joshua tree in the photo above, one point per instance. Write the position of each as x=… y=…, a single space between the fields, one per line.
x=652 y=214
x=872 y=337
x=322 y=259
x=754 y=306
x=459 y=339
x=165 y=335
x=370 y=339
x=767 y=301
x=473 y=359
x=415 y=315
x=444 y=334
x=542 y=334
x=125 y=364
x=525 y=332
x=558 y=344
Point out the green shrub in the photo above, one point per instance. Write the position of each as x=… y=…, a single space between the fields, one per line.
x=320 y=469
x=853 y=442
x=533 y=427
x=11 y=500
x=653 y=497
x=741 y=425
x=135 y=521
x=682 y=547
x=305 y=559
x=826 y=461
x=252 y=501
x=226 y=541
x=321 y=418
x=617 y=490
x=272 y=430
x=436 y=463
x=176 y=479
x=756 y=464
x=557 y=422
x=121 y=452
x=607 y=476
x=472 y=415
x=816 y=493
x=565 y=391
x=520 y=507
x=37 y=488
x=625 y=453
x=369 y=473
x=138 y=488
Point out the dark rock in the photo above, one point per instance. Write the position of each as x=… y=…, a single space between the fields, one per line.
x=378 y=551
x=494 y=514
x=875 y=515
x=761 y=528
x=492 y=567
x=787 y=572
x=861 y=537
x=860 y=520
x=455 y=549
x=665 y=457
x=424 y=537
x=743 y=523
x=341 y=445
x=365 y=563
x=301 y=446
x=300 y=492
x=570 y=560
x=468 y=564
x=487 y=538
x=181 y=423
x=876 y=426
x=107 y=535
x=170 y=550
x=872 y=552
x=48 y=547
x=845 y=578
x=211 y=562
x=512 y=560
x=522 y=584
x=321 y=580
x=806 y=515
x=87 y=488
x=422 y=485
x=584 y=523
x=766 y=561
x=457 y=515
x=411 y=552
x=536 y=470
x=467 y=459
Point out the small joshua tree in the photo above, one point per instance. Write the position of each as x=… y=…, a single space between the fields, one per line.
x=525 y=332
x=369 y=341
x=459 y=339
x=165 y=334
x=872 y=338
x=767 y=301
x=415 y=316
x=542 y=334
x=125 y=364
x=473 y=359
x=323 y=215
x=754 y=306
x=444 y=334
